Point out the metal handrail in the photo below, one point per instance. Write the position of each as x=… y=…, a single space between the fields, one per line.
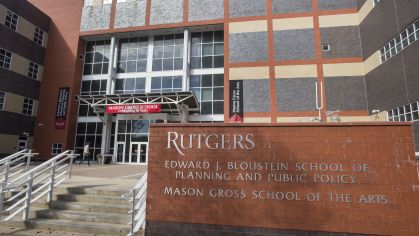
x=30 y=180
x=6 y=162
x=139 y=192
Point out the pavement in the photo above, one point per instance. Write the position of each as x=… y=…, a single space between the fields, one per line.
x=13 y=231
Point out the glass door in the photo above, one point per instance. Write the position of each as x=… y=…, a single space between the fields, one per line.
x=138 y=153
x=120 y=152
x=21 y=145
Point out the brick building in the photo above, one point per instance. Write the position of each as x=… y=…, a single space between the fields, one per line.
x=360 y=53
x=23 y=41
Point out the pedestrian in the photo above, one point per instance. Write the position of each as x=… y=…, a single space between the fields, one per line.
x=86 y=154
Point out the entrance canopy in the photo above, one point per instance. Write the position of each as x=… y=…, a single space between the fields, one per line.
x=182 y=102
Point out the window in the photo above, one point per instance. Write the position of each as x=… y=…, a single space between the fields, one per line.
x=11 y=20
x=121 y=1
x=130 y=85
x=2 y=99
x=325 y=47
x=107 y=2
x=407 y=112
x=91 y=87
x=38 y=36
x=97 y=57
x=407 y=37
x=209 y=89
x=27 y=106
x=56 y=148
x=168 y=52
x=33 y=70
x=91 y=132
x=88 y=3
x=5 y=58
x=207 y=50
x=376 y=2
x=166 y=84
x=132 y=56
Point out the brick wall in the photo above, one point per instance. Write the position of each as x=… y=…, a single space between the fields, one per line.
x=384 y=151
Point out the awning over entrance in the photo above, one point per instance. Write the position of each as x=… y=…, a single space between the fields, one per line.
x=182 y=102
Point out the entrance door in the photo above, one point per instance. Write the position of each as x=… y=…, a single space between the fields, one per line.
x=138 y=153
x=120 y=152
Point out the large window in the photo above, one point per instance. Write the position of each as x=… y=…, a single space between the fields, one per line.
x=130 y=85
x=5 y=58
x=88 y=3
x=209 y=89
x=107 y=2
x=207 y=50
x=2 y=99
x=404 y=39
x=166 y=84
x=11 y=20
x=168 y=52
x=33 y=70
x=96 y=60
x=90 y=132
x=38 y=36
x=132 y=56
x=27 y=106
x=408 y=112
x=91 y=87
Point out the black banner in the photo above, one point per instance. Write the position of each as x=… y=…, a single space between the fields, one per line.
x=61 y=108
x=236 y=101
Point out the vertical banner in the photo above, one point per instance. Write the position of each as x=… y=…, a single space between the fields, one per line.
x=236 y=101
x=61 y=108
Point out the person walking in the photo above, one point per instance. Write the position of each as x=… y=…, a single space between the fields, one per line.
x=86 y=154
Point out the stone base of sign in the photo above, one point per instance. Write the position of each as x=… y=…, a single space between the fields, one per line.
x=158 y=228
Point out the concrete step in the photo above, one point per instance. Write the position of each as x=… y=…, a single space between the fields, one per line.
x=78 y=206
x=102 y=199
x=72 y=226
x=99 y=217
x=101 y=192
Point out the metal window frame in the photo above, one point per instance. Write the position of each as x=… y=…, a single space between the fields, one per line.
x=4 y=100
x=37 y=74
x=37 y=36
x=88 y=3
x=13 y=13
x=392 y=116
x=11 y=59
x=31 y=110
x=56 y=153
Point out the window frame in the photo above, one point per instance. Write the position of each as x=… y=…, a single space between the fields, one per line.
x=17 y=20
x=59 y=146
x=400 y=42
x=5 y=57
x=107 y=2
x=28 y=102
x=375 y=2
x=88 y=3
x=32 y=74
x=396 y=114
x=4 y=100
x=36 y=36
x=118 y=1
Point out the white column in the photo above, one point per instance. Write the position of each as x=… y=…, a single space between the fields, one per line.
x=185 y=80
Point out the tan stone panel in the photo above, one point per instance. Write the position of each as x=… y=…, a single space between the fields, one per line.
x=8 y=142
x=45 y=42
x=338 y=20
x=382 y=116
x=13 y=103
x=372 y=62
x=3 y=10
x=257 y=120
x=352 y=118
x=131 y=0
x=97 y=2
x=19 y=64
x=248 y=26
x=40 y=72
x=293 y=119
x=29 y=144
x=35 y=107
x=365 y=10
x=26 y=28
x=293 y=23
x=343 y=69
x=297 y=71
x=249 y=73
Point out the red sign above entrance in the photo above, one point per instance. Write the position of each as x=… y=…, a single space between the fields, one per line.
x=149 y=108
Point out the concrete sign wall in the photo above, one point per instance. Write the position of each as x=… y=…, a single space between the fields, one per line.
x=349 y=177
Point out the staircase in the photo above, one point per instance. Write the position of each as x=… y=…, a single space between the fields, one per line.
x=78 y=210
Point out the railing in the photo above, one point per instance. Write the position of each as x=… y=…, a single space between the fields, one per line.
x=139 y=192
x=33 y=179
x=9 y=160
